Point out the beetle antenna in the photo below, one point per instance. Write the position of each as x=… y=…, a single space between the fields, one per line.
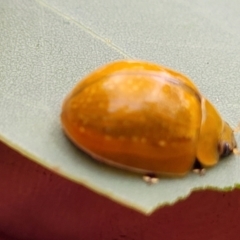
x=236 y=151
x=237 y=129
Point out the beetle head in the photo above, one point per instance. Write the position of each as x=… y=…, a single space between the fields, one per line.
x=227 y=143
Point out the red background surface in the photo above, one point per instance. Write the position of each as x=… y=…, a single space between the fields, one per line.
x=36 y=204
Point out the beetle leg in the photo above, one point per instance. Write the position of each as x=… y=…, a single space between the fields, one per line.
x=150 y=178
x=201 y=172
x=198 y=169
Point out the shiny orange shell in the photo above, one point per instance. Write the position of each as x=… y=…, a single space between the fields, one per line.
x=144 y=117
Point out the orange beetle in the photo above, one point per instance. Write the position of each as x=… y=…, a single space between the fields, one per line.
x=143 y=117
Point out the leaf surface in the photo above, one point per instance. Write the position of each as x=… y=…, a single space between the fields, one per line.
x=47 y=46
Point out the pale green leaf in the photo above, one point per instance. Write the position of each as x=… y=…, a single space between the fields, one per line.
x=47 y=46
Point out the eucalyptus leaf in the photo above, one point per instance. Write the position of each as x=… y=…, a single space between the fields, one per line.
x=47 y=46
